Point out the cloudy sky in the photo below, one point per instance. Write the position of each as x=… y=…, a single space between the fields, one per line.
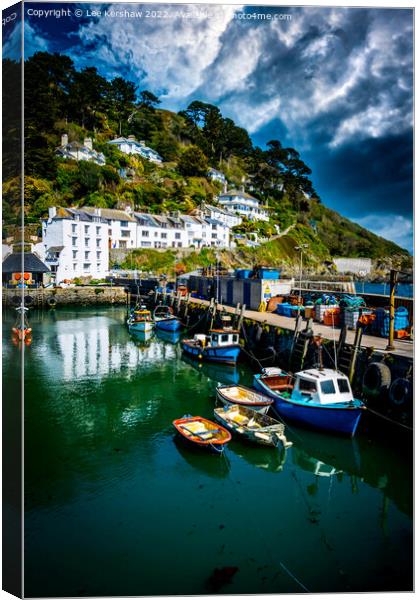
x=334 y=83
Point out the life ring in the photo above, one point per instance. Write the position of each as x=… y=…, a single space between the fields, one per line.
x=376 y=380
x=400 y=392
x=26 y=276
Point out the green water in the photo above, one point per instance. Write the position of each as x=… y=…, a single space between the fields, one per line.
x=115 y=506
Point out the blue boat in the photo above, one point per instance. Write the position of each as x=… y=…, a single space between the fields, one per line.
x=165 y=320
x=220 y=346
x=140 y=320
x=318 y=398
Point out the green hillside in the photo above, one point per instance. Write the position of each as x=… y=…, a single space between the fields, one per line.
x=62 y=100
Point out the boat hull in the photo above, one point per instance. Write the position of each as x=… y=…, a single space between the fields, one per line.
x=262 y=407
x=140 y=326
x=171 y=324
x=217 y=354
x=341 y=420
x=214 y=444
x=272 y=437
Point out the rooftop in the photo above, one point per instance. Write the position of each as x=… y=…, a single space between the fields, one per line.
x=31 y=263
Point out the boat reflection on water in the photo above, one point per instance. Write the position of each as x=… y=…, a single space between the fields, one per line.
x=143 y=338
x=335 y=452
x=206 y=463
x=269 y=459
x=219 y=373
x=171 y=337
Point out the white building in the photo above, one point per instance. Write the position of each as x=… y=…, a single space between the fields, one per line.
x=131 y=146
x=216 y=175
x=77 y=151
x=75 y=244
x=230 y=219
x=160 y=231
x=122 y=226
x=241 y=203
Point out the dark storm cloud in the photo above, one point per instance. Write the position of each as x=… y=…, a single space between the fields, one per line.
x=335 y=83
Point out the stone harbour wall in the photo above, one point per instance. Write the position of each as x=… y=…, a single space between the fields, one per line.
x=87 y=296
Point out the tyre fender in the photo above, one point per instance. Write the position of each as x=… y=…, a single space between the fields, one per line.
x=400 y=392
x=376 y=380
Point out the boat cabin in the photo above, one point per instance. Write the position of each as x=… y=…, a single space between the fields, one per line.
x=223 y=337
x=323 y=386
x=142 y=315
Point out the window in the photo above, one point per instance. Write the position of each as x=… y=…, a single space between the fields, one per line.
x=179 y=245
x=86 y=266
x=145 y=233
x=86 y=228
x=177 y=236
x=109 y=231
x=98 y=243
x=74 y=253
x=87 y=240
x=125 y=233
x=307 y=386
x=225 y=337
x=328 y=387
x=156 y=234
x=98 y=231
x=234 y=338
x=86 y=255
x=123 y=244
x=214 y=236
x=74 y=241
x=74 y=266
x=124 y=223
x=214 y=226
x=163 y=236
x=98 y=266
x=214 y=337
x=74 y=228
x=98 y=255
x=54 y=268
x=343 y=386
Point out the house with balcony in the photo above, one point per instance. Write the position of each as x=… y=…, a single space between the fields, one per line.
x=131 y=146
x=216 y=175
x=75 y=244
x=78 y=151
x=244 y=205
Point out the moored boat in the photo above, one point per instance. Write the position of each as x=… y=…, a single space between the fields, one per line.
x=165 y=320
x=244 y=396
x=221 y=346
x=253 y=426
x=319 y=398
x=202 y=433
x=140 y=320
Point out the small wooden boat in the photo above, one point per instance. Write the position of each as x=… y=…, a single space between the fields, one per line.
x=221 y=346
x=244 y=396
x=253 y=426
x=165 y=320
x=319 y=398
x=202 y=433
x=140 y=320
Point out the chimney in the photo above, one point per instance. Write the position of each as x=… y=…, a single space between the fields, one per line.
x=142 y=143
x=128 y=210
x=88 y=143
x=52 y=211
x=132 y=138
x=97 y=212
x=64 y=140
x=242 y=189
x=225 y=187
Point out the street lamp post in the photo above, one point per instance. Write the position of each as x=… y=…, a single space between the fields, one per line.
x=301 y=249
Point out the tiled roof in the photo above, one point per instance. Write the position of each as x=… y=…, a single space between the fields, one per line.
x=110 y=214
x=232 y=193
x=31 y=263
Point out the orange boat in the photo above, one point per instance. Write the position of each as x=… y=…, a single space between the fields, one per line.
x=203 y=433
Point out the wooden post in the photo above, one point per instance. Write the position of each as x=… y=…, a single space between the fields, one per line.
x=355 y=351
x=342 y=339
x=392 y=285
x=241 y=316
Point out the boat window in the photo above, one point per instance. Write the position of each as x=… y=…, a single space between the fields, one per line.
x=225 y=337
x=235 y=338
x=327 y=387
x=214 y=337
x=307 y=386
x=343 y=386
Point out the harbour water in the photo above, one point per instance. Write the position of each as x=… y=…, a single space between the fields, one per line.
x=115 y=505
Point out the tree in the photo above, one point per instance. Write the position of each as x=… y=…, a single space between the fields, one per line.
x=87 y=97
x=148 y=100
x=193 y=162
x=121 y=97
